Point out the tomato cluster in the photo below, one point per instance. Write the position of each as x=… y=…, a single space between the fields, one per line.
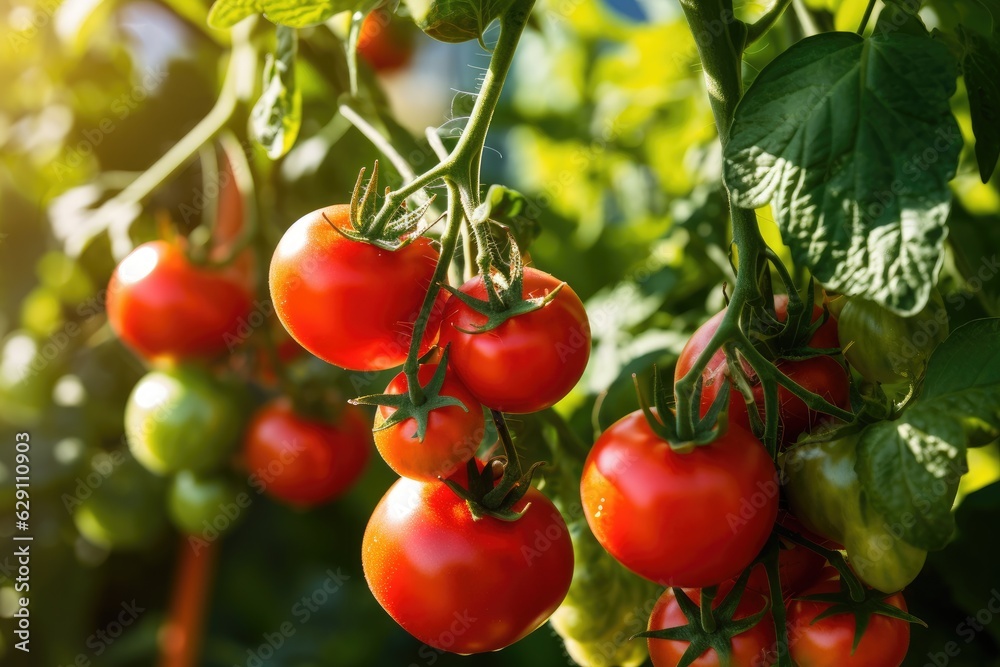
x=698 y=517
x=358 y=305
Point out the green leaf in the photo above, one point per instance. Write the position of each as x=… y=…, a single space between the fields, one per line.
x=981 y=67
x=291 y=13
x=227 y=13
x=298 y=14
x=910 y=469
x=963 y=377
x=853 y=143
x=276 y=117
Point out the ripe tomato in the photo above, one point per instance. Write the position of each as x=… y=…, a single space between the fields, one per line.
x=750 y=649
x=182 y=419
x=303 y=461
x=828 y=642
x=692 y=519
x=163 y=306
x=385 y=44
x=530 y=361
x=350 y=303
x=452 y=437
x=821 y=375
x=463 y=585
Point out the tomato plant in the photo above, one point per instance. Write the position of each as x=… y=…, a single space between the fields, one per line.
x=682 y=519
x=494 y=581
x=163 y=306
x=301 y=460
x=298 y=204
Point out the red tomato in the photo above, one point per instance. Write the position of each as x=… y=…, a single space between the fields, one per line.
x=822 y=375
x=463 y=585
x=530 y=361
x=693 y=519
x=302 y=461
x=164 y=307
x=752 y=648
x=385 y=44
x=828 y=642
x=452 y=437
x=350 y=303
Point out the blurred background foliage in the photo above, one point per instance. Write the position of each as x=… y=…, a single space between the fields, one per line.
x=604 y=126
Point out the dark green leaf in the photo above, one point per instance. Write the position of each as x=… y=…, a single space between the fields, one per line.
x=276 y=117
x=910 y=469
x=963 y=376
x=853 y=142
x=981 y=67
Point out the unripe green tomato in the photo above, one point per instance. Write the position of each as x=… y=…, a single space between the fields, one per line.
x=200 y=504
x=886 y=347
x=606 y=604
x=120 y=506
x=824 y=493
x=181 y=419
x=455 y=20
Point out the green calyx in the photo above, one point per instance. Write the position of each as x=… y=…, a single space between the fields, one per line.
x=391 y=235
x=488 y=496
x=788 y=339
x=706 y=429
x=404 y=406
x=709 y=628
x=505 y=294
x=871 y=604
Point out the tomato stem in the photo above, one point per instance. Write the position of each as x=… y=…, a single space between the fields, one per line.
x=759 y=28
x=448 y=243
x=112 y=215
x=180 y=641
x=867 y=16
x=707 y=616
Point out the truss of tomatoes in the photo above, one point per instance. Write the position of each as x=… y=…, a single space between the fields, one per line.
x=689 y=518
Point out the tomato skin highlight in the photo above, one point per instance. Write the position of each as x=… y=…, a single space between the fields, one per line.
x=822 y=375
x=452 y=436
x=828 y=642
x=691 y=520
x=529 y=362
x=164 y=307
x=303 y=461
x=462 y=585
x=351 y=303
x=752 y=648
